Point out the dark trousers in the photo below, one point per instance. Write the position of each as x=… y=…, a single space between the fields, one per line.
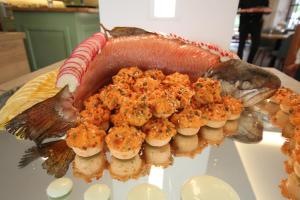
x=298 y=74
x=254 y=29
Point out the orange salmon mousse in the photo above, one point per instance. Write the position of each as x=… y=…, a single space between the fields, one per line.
x=215 y=114
x=159 y=132
x=233 y=106
x=189 y=121
x=86 y=139
x=124 y=142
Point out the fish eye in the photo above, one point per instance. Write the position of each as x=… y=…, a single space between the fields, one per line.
x=246 y=85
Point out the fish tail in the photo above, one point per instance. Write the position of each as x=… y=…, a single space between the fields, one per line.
x=30 y=155
x=57 y=154
x=49 y=118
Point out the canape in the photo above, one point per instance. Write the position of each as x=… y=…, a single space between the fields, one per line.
x=124 y=142
x=127 y=75
x=126 y=169
x=212 y=135
x=98 y=115
x=288 y=103
x=92 y=102
x=297 y=167
x=89 y=168
x=118 y=119
x=296 y=152
x=288 y=147
x=112 y=96
x=183 y=93
x=233 y=106
x=145 y=84
x=185 y=145
x=293 y=186
x=231 y=127
x=297 y=138
x=294 y=116
x=288 y=130
x=162 y=103
x=86 y=139
x=177 y=79
x=188 y=121
x=281 y=94
x=155 y=74
x=289 y=166
x=207 y=91
x=158 y=156
x=283 y=189
x=215 y=114
x=159 y=131
x=280 y=119
x=135 y=113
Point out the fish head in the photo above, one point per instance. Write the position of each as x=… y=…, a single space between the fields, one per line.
x=245 y=81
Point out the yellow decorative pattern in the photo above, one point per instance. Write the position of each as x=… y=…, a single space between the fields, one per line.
x=33 y=92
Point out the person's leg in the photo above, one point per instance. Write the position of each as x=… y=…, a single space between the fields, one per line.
x=242 y=40
x=255 y=39
x=297 y=77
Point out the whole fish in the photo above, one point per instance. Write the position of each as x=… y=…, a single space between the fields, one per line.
x=129 y=47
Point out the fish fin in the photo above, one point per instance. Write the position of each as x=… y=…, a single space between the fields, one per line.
x=49 y=118
x=250 y=128
x=30 y=155
x=124 y=31
x=58 y=157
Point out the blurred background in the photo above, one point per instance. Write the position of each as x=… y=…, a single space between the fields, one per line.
x=37 y=33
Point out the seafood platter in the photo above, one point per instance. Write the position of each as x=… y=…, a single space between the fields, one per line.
x=129 y=103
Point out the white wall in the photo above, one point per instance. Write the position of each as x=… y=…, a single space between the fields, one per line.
x=201 y=20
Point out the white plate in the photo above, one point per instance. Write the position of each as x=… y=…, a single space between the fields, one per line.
x=146 y=192
x=207 y=188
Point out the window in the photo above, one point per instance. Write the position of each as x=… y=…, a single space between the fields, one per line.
x=293 y=18
x=164 y=8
